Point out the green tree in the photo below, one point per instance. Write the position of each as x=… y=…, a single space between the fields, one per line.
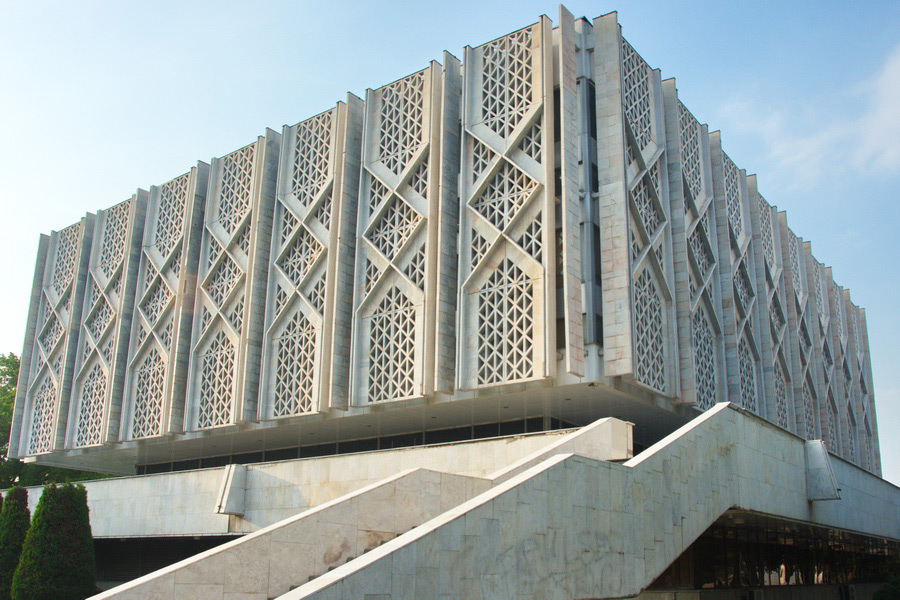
x=12 y=471
x=890 y=591
x=58 y=555
x=15 y=518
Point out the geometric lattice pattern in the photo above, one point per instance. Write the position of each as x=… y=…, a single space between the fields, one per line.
x=747 y=365
x=101 y=329
x=506 y=81
x=394 y=227
x=637 y=94
x=170 y=218
x=506 y=192
x=221 y=343
x=640 y=196
x=90 y=408
x=158 y=309
x=781 y=400
x=505 y=326
x=690 y=151
x=401 y=121
x=733 y=197
x=115 y=228
x=647 y=226
x=793 y=246
x=301 y=257
x=148 y=401
x=295 y=367
x=704 y=360
x=831 y=431
x=312 y=152
x=765 y=222
x=511 y=300
x=506 y=209
x=216 y=382
x=51 y=341
x=43 y=414
x=394 y=239
x=809 y=412
x=156 y=301
x=66 y=256
x=392 y=332
x=100 y=318
x=532 y=239
x=649 y=361
x=299 y=270
x=234 y=200
x=223 y=280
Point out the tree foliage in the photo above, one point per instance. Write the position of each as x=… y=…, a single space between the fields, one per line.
x=12 y=471
x=890 y=591
x=15 y=519
x=57 y=560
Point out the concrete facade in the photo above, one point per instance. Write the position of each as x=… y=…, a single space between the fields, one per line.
x=563 y=521
x=541 y=218
x=537 y=238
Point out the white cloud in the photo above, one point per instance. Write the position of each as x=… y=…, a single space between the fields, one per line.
x=806 y=143
x=879 y=128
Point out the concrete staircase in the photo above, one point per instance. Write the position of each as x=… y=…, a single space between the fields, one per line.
x=301 y=549
x=573 y=526
x=561 y=523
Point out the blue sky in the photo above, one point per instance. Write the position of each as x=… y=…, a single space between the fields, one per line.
x=99 y=98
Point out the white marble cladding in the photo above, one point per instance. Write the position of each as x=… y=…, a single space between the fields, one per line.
x=184 y=503
x=308 y=318
x=226 y=342
x=575 y=527
x=95 y=409
x=153 y=402
x=457 y=234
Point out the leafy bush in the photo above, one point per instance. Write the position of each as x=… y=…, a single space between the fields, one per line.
x=58 y=555
x=15 y=519
x=890 y=591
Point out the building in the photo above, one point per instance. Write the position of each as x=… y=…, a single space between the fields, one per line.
x=510 y=273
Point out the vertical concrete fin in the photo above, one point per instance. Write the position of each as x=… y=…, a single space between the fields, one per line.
x=571 y=206
x=230 y=500
x=612 y=205
x=820 y=481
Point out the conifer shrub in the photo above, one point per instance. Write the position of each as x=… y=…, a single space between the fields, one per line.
x=57 y=560
x=15 y=518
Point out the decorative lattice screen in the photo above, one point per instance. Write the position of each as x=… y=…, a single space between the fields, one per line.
x=700 y=300
x=227 y=335
x=507 y=219
x=649 y=227
x=801 y=332
x=45 y=377
x=106 y=320
x=398 y=263
x=778 y=389
x=154 y=393
x=305 y=271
